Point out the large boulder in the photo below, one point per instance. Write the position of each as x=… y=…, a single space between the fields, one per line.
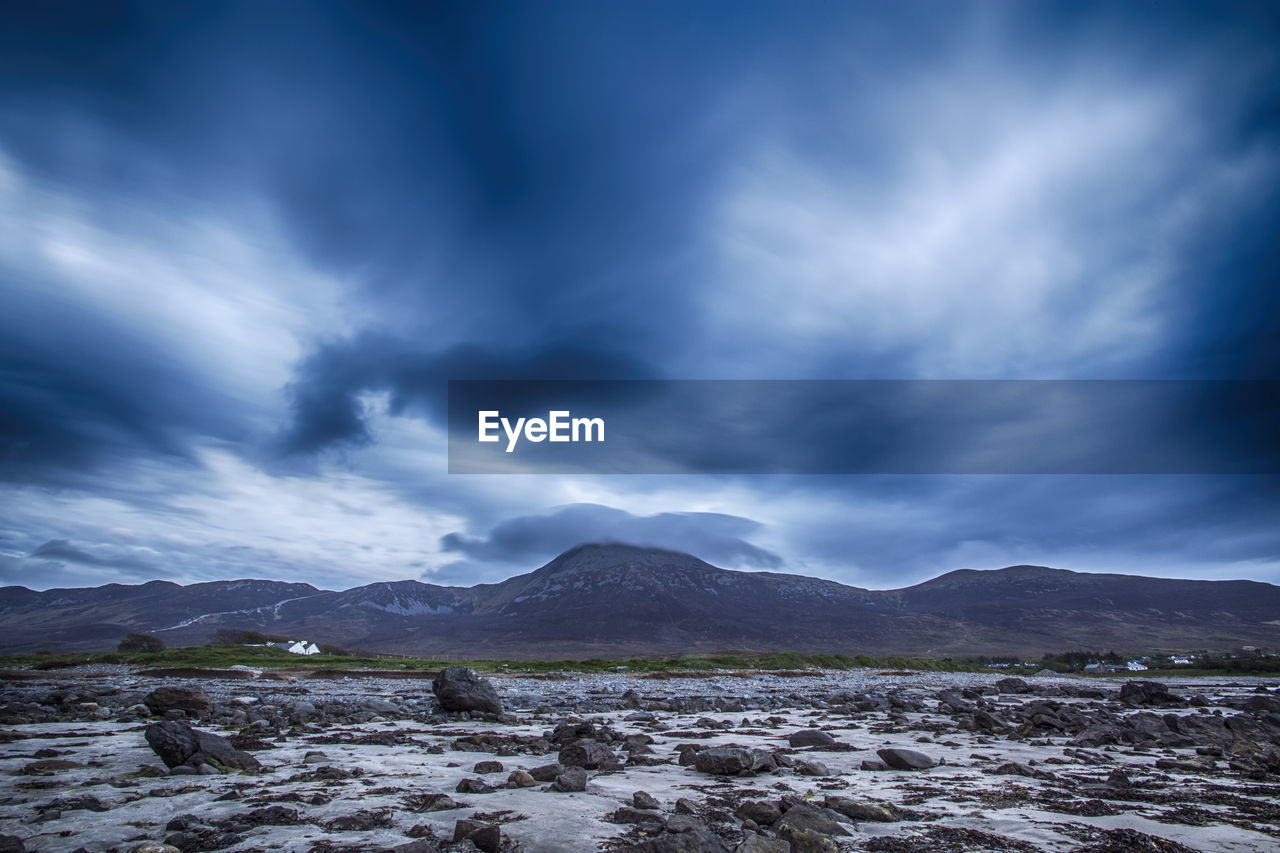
x=724 y=760
x=1148 y=693
x=1014 y=685
x=810 y=737
x=178 y=745
x=191 y=700
x=458 y=688
x=905 y=759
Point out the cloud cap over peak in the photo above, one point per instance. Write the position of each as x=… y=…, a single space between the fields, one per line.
x=717 y=538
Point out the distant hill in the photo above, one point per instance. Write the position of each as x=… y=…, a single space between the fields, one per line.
x=608 y=600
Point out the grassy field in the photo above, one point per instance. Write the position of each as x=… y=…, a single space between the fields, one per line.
x=271 y=658
x=258 y=657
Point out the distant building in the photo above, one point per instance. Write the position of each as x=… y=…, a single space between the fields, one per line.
x=1135 y=666
x=297 y=647
x=1103 y=667
x=1180 y=660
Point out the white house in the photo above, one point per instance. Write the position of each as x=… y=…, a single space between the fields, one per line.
x=298 y=647
x=1181 y=660
x=1134 y=666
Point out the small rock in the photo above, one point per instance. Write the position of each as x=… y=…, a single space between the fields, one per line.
x=434 y=803
x=422 y=845
x=487 y=767
x=546 y=772
x=684 y=823
x=760 y=844
x=572 y=779
x=584 y=752
x=300 y=712
x=520 y=779
x=85 y=802
x=474 y=786
x=49 y=766
x=763 y=812
x=1148 y=693
x=361 y=821
x=185 y=699
x=800 y=819
x=812 y=768
x=646 y=820
x=485 y=836
x=869 y=812
x=810 y=737
x=698 y=841
x=644 y=800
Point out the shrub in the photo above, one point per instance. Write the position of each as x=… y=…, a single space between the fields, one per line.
x=140 y=643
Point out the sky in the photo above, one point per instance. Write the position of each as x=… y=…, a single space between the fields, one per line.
x=244 y=245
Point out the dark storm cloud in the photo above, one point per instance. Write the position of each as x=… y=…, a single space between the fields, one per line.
x=78 y=390
x=546 y=189
x=499 y=172
x=890 y=531
x=325 y=398
x=518 y=175
x=715 y=537
x=61 y=550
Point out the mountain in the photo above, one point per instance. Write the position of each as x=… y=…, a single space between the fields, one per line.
x=608 y=600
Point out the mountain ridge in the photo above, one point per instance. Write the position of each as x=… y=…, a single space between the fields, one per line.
x=612 y=599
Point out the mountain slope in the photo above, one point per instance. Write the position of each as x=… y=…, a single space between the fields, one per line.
x=1096 y=610
x=98 y=617
x=615 y=599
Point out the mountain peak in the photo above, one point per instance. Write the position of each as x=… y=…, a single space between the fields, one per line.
x=593 y=556
x=970 y=577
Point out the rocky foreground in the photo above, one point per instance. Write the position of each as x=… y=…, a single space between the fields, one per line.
x=105 y=759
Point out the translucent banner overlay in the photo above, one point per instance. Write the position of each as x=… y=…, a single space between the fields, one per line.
x=864 y=427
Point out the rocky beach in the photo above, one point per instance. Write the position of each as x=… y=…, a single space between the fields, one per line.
x=107 y=758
